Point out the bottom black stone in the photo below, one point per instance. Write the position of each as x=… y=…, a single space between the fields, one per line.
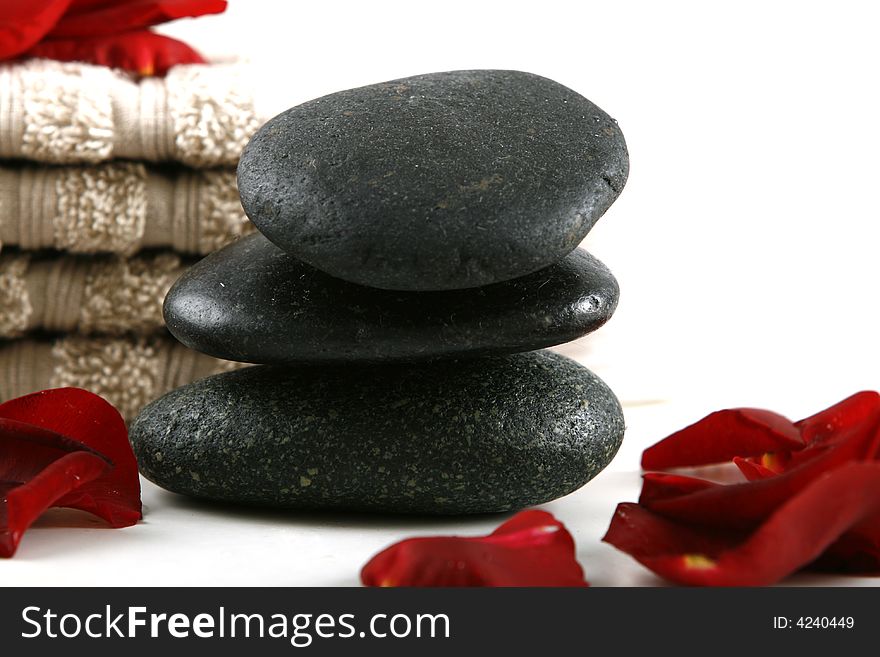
x=476 y=436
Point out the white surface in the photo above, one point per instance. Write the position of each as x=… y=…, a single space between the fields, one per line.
x=745 y=243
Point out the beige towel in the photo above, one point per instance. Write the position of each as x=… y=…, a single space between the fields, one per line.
x=119 y=207
x=107 y=295
x=129 y=373
x=62 y=113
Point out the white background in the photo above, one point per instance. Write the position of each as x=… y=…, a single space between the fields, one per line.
x=745 y=242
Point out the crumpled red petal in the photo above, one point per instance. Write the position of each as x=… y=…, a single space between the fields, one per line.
x=816 y=503
x=89 y=19
x=531 y=549
x=89 y=419
x=658 y=486
x=795 y=534
x=743 y=505
x=138 y=51
x=753 y=470
x=723 y=435
x=763 y=437
x=38 y=468
x=64 y=447
x=829 y=424
x=856 y=551
x=24 y=22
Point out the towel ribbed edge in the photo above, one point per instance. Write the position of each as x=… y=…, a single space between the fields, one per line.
x=108 y=295
x=63 y=112
x=119 y=207
x=129 y=373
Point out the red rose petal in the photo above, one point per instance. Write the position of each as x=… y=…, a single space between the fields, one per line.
x=22 y=503
x=793 y=536
x=721 y=436
x=139 y=51
x=658 y=486
x=753 y=471
x=815 y=503
x=828 y=424
x=24 y=23
x=856 y=551
x=856 y=434
x=645 y=535
x=87 y=419
x=530 y=549
x=742 y=506
x=91 y=19
x=87 y=5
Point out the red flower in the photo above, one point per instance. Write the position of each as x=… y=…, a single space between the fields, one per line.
x=140 y=51
x=530 y=549
x=722 y=436
x=69 y=448
x=88 y=18
x=813 y=499
x=106 y=32
x=24 y=22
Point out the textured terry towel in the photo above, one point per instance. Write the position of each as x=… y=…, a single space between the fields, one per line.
x=63 y=113
x=110 y=295
x=129 y=373
x=119 y=207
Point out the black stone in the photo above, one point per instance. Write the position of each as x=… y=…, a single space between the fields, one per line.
x=435 y=182
x=254 y=303
x=475 y=436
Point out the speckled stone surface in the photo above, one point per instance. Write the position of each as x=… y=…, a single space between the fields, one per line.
x=475 y=436
x=435 y=182
x=252 y=302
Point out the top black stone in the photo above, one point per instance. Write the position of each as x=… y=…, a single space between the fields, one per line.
x=435 y=182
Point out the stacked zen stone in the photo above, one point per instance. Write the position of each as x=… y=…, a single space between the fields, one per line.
x=418 y=244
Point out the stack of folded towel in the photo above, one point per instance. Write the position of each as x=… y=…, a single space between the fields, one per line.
x=109 y=188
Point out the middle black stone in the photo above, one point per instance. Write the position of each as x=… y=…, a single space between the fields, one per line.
x=252 y=302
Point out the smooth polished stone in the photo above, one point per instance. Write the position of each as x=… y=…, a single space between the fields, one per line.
x=435 y=182
x=252 y=302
